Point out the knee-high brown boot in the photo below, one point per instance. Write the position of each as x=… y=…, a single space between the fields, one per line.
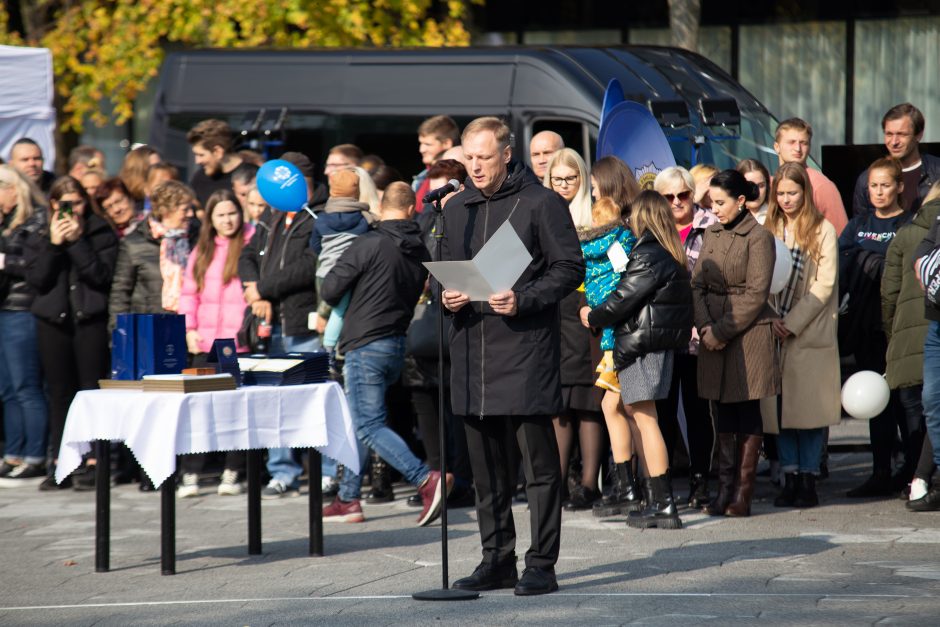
x=726 y=472
x=748 y=454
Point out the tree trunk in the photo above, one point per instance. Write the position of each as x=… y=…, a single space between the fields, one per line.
x=684 y=18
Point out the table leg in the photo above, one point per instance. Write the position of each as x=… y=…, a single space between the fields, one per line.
x=315 y=473
x=253 y=470
x=102 y=505
x=168 y=526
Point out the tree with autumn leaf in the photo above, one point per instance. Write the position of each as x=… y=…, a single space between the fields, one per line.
x=109 y=50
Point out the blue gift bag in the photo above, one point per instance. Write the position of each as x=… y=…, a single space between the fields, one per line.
x=123 y=355
x=160 y=344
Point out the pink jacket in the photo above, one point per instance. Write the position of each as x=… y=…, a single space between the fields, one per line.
x=218 y=310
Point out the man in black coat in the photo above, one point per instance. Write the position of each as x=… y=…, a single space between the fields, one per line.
x=382 y=272
x=505 y=355
x=278 y=271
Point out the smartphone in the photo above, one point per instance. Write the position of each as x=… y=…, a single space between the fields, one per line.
x=65 y=208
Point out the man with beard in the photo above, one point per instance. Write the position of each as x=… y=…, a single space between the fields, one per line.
x=505 y=355
x=212 y=143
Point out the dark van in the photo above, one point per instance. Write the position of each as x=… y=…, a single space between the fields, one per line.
x=311 y=100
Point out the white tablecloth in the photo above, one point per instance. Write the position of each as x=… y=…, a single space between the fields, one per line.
x=158 y=426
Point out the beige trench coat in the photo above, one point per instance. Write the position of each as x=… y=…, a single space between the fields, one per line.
x=730 y=286
x=809 y=358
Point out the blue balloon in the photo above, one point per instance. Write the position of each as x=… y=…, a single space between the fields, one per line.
x=282 y=185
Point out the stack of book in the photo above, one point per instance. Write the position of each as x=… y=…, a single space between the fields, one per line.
x=188 y=383
x=290 y=369
x=119 y=384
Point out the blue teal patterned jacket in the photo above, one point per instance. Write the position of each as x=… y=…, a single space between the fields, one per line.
x=600 y=279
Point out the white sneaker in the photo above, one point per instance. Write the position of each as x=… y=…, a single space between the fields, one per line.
x=918 y=489
x=189 y=487
x=229 y=486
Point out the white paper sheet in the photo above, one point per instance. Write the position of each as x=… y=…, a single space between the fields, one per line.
x=495 y=268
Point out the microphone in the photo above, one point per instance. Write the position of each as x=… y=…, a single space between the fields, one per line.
x=437 y=194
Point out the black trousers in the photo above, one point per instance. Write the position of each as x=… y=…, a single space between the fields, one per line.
x=883 y=429
x=424 y=401
x=697 y=416
x=743 y=417
x=74 y=357
x=493 y=465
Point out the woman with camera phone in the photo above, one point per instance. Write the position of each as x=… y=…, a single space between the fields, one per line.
x=69 y=264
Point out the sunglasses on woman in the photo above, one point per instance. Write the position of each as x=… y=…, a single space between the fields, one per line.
x=682 y=196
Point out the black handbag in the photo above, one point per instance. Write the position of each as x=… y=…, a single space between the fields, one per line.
x=421 y=339
x=248 y=333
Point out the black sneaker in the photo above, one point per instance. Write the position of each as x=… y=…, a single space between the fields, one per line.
x=83 y=479
x=27 y=471
x=6 y=468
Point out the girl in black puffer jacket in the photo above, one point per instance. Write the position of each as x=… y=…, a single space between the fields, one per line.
x=651 y=312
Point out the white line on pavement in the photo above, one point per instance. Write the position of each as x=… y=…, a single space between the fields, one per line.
x=408 y=596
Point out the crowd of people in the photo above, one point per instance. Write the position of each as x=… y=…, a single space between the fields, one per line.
x=643 y=337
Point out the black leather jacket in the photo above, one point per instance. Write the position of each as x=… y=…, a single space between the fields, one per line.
x=15 y=293
x=651 y=309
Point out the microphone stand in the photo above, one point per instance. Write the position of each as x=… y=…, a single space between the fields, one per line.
x=445 y=592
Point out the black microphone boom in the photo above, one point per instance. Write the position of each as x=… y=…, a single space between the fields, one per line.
x=436 y=195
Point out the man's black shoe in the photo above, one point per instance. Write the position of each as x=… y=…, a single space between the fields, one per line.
x=489 y=577
x=536 y=581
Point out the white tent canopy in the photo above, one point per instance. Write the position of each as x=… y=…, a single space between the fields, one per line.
x=26 y=100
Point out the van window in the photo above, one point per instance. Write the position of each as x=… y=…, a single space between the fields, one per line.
x=572 y=132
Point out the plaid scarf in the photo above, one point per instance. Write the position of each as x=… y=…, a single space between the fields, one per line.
x=174 y=250
x=785 y=298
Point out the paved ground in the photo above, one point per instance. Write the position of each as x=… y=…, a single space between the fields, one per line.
x=842 y=563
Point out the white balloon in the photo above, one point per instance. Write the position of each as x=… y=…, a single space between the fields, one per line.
x=782 y=267
x=865 y=395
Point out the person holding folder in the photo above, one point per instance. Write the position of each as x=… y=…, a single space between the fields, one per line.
x=505 y=354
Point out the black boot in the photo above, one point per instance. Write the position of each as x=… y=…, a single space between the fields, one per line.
x=661 y=512
x=381 y=490
x=727 y=452
x=930 y=502
x=806 y=491
x=624 y=497
x=698 y=490
x=581 y=498
x=787 y=495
